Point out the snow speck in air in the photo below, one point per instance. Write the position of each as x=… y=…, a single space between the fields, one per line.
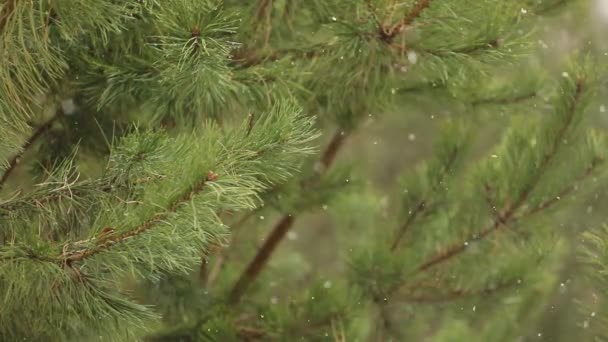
x=603 y=107
x=412 y=57
x=524 y=11
x=292 y=236
x=565 y=74
x=261 y=217
x=68 y=106
x=334 y=19
x=327 y=284
x=411 y=137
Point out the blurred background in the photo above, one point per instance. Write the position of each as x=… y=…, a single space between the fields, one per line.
x=411 y=129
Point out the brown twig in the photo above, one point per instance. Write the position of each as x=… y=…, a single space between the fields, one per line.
x=565 y=192
x=422 y=204
x=261 y=258
x=405 y=227
x=14 y=161
x=336 y=143
x=248 y=333
x=407 y=20
x=69 y=257
x=507 y=214
x=281 y=228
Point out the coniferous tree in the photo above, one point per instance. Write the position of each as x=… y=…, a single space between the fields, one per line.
x=157 y=155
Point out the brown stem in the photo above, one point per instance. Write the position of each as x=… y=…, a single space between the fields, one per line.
x=249 y=333
x=263 y=9
x=281 y=228
x=405 y=227
x=409 y=18
x=421 y=207
x=565 y=192
x=145 y=226
x=507 y=215
x=330 y=152
x=262 y=257
x=12 y=164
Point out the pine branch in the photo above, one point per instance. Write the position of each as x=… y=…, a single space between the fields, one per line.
x=460 y=294
x=421 y=207
x=409 y=18
x=405 y=227
x=467 y=50
x=14 y=161
x=248 y=57
x=5 y=13
x=507 y=214
x=564 y=192
x=331 y=151
x=505 y=100
x=282 y=227
x=107 y=243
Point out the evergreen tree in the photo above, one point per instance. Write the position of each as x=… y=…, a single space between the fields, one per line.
x=158 y=154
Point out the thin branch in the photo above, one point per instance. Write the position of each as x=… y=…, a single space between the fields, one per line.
x=215 y=270
x=409 y=18
x=263 y=10
x=467 y=50
x=331 y=151
x=261 y=258
x=14 y=161
x=247 y=57
x=405 y=227
x=281 y=228
x=107 y=243
x=507 y=215
x=422 y=204
x=565 y=192
x=458 y=294
x=248 y=333
x=505 y=100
